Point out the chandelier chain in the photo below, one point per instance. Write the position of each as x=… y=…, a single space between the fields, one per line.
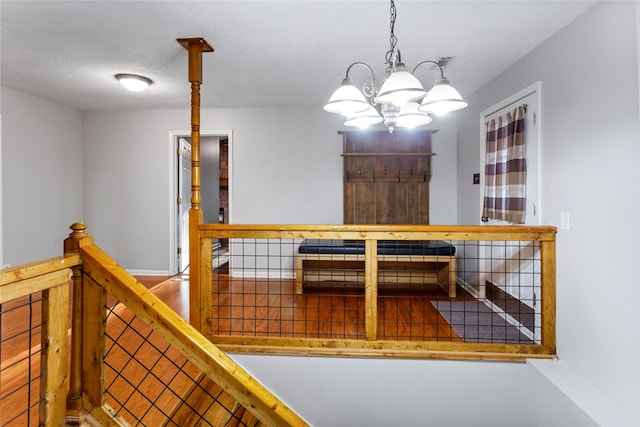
x=393 y=40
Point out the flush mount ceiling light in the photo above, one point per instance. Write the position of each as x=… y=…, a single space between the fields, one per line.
x=133 y=82
x=396 y=102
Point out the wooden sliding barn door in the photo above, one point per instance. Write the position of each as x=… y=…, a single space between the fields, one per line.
x=386 y=177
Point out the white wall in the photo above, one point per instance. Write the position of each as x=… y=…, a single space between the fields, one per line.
x=126 y=175
x=443 y=202
x=377 y=392
x=41 y=176
x=590 y=134
x=111 y=169
x=286 y=168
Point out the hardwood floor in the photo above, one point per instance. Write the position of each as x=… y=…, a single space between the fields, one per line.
x=151 y=281
x=250 y=307
x=257 y=307
x=242 y=307
x=271 y=308
x=20 y=330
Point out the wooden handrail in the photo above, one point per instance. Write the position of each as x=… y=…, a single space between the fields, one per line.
x=185 y=338
x=19 y=273
x=380 y=232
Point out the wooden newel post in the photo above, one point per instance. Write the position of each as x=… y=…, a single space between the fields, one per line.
x=195 y=47
x=74 y=414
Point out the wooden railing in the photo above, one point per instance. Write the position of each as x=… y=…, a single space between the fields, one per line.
x=48 y=355
x=88 y=383
x=102 y=327
x=206 y=312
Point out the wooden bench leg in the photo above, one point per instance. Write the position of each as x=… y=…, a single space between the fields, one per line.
x=299 y=274
x=452 y=277
x=447 y=276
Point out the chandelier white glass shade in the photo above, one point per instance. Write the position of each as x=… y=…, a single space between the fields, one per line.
x=410 y=116
x=364 y=119
x=400 y=87
x=347 y=100
x=396 y=102
x=133 y=82
x=442 y=99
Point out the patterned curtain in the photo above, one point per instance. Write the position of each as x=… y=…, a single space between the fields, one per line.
x=505 y=168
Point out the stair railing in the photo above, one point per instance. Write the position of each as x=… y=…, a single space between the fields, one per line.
x=132 y=358
x=34 y=297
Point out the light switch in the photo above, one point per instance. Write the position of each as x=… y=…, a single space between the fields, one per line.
x=565 y=221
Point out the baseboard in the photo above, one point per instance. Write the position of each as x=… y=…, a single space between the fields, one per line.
x=467 y=287
x=515 y=308
x=474 y=292
x=261 y=274
x=149 y=272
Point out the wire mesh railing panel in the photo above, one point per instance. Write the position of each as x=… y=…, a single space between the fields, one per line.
x=148 y=382
x=454 y=291
x=507 y=278
x=20 y=354
x=256 y=296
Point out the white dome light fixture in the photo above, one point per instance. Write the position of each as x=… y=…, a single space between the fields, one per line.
x=396 y=101
x=133 y=82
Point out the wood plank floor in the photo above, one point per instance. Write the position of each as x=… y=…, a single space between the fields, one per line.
x=242 y=307
x=271 y=308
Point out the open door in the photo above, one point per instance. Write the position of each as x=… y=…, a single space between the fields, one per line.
x=216 y=190
x=183 y=203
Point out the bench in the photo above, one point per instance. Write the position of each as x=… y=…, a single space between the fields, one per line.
x=408 y=263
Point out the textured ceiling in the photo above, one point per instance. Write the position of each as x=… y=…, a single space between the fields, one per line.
x=267 y=53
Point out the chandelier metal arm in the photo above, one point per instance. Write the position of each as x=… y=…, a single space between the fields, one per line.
x=429 y=62
x=368 y=92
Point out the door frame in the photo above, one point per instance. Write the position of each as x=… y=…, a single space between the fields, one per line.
x=535 y=88
x=173 y=187
x=2 y=264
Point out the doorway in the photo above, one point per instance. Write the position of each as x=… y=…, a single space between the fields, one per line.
x=506 y=272
x=215 y=187
x=530 y=98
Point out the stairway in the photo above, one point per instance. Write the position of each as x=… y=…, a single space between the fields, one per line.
x=208 y=404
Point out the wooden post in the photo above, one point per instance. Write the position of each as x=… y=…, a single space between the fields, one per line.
x=206 y=267
x=71 y=246
x=548 y=294
x=195 y=47
x=371 y=289
x=94 y=301
x=53 y=384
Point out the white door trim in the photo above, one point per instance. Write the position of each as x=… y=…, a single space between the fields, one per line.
x=173 y=191
x=534 y=88
x=2 y=265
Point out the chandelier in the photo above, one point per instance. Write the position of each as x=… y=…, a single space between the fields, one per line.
x=401 y=101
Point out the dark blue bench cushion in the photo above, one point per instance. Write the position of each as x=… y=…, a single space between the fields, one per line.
x=385 y=247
